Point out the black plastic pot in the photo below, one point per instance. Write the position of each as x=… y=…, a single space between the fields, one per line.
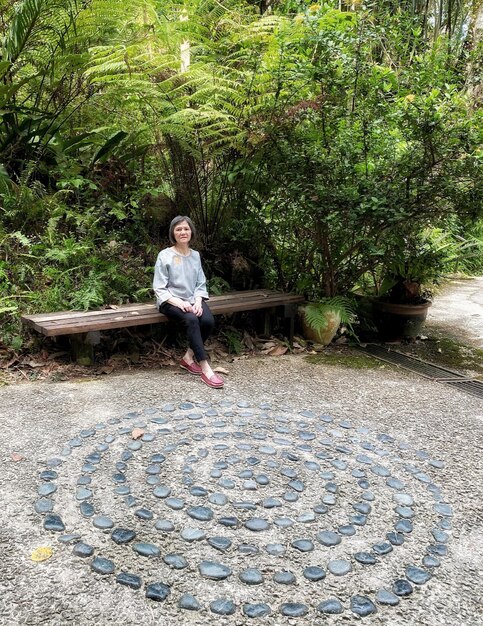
x=399 y=321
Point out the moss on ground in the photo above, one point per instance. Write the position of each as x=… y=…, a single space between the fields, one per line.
x=446 y=352
x=346 y=357
x=438 y=349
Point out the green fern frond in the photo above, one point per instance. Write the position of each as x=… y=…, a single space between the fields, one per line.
x=316 y=312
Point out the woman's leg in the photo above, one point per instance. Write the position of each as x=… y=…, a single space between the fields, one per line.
x=197 y=329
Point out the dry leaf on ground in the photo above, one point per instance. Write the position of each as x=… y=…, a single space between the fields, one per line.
x=221 y=370
x=17 y=457
x=278 y=351
x=41 y=554
x=137 y=433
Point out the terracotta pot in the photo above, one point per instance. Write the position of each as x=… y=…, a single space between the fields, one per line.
x=323 y=335
x=399 y=321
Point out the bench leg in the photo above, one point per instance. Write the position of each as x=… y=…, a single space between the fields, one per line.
x=82 y=346
x=290 y=311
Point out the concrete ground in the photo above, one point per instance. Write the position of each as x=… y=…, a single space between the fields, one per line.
x=387 y=452
x=458 y=311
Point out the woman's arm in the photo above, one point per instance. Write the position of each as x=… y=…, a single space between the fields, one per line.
x=161 y=280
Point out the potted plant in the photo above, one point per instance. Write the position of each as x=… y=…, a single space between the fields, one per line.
x=320 y=320
x=410 y=266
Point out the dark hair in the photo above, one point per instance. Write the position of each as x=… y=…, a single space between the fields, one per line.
x=175 y=221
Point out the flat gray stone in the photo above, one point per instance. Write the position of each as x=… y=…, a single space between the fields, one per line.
x=223 y=607
x=284 y=578
x=417 y=575
x=443 y=509
x=218 y=498
x=175 y=503
x=200 y=513
x=257 y=524
x=87 y=509
x=314 y=573
x=189 y=602
x=402 y=587
x=54 y=522
x=366 y=558
x=294 y=609
x=220 y=543
x=103 y=522
x=44 y=505
x=164 y=525
x=387 y=598
x=328 y=538
x=146 y=549
x=83 y=550
x=161 y=491
x=46 y=489
x=339 y=567
x=101 y=565
x=303 y=545
x=275 y=549
x=157 y=591
x=214 y=570
x=382 y=548
x=331 y=607
x=122 y=535
x=256 y=610
x=176 y=561
x=362 y=606
x=144 y=514
x=251 y=576
x=129 y=580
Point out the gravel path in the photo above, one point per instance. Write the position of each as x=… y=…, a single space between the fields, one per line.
x=366 y=465
x=458 y=311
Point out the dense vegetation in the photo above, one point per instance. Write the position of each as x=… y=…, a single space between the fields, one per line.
x=310 y=143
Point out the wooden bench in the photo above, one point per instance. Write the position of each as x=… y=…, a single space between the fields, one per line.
x=80 y=323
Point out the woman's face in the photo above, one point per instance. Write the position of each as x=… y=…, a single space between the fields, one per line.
x=182 y=232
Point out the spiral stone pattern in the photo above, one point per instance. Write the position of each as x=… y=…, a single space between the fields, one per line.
x=184 y=502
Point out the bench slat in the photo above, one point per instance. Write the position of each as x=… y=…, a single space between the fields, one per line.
x=74 y=322
x=136 y=308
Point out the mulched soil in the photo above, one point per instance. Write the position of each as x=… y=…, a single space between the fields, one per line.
x=44 y=359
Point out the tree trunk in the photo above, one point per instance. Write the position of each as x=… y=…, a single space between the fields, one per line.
x=475 y=88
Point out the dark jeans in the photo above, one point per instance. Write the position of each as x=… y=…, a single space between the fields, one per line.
x=198 y=329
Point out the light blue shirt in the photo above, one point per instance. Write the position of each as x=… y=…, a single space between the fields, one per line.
x=179 y=276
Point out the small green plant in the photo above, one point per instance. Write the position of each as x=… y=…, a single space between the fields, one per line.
x=316 y=312
x=218 y=286
x=233 y=339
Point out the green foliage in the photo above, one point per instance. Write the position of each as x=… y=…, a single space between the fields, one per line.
x=233 y=339
x=409 y=266
x=301 y=140
x=315 y=312
x=218 y=286
x=319 y=316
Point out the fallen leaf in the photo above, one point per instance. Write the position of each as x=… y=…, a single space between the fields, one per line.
x=221 y=370
x=269 y=344
x=137 y=433
x=41 y=554
x=17 y=457
x=107 y=369
x=248 y=341
x=278 y=350
x=33 y=364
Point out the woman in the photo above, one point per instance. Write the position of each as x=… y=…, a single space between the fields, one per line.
x=180 y=288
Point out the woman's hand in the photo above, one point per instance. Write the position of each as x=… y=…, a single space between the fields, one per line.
x=181 y=304
x=198 y=307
